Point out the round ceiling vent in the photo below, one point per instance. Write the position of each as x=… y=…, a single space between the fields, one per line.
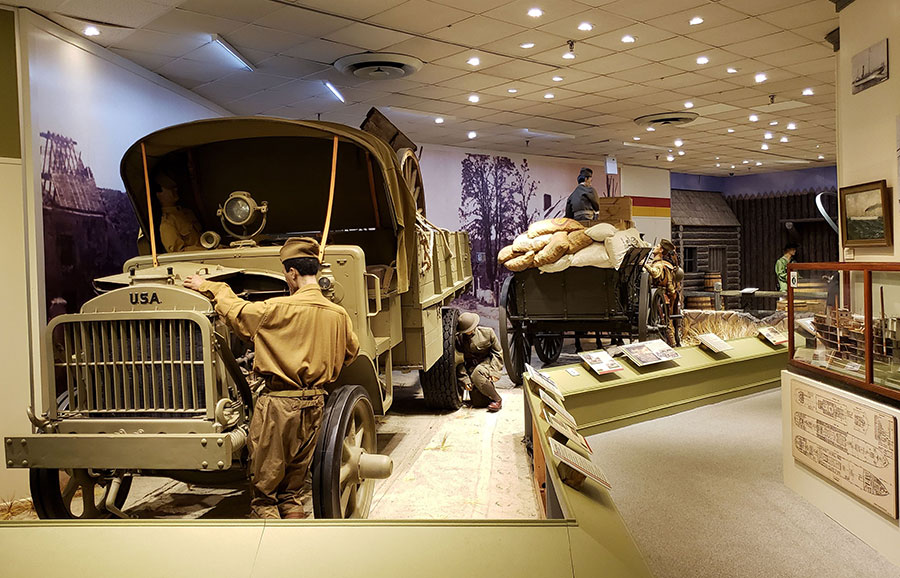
x=378 y=65
x=665 y=118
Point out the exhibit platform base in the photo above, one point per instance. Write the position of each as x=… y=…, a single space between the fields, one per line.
x=601 y=403
x=871 y=516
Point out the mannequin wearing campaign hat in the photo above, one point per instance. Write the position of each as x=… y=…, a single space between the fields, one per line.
x=583 y=203
x=301 y=343
x=483 y=361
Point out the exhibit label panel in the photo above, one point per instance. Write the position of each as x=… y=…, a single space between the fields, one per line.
x=850 y=443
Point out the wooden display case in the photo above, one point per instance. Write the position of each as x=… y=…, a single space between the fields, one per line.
x=846 y=319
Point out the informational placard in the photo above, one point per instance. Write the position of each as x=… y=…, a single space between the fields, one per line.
x=808 y=325
x=568 y=431
x=851 y=444
x=558 y=408
x=713 y=342
x=649 y=352
x=600 y=361
x=772 y=335
x=578 y=462
x=543 y=381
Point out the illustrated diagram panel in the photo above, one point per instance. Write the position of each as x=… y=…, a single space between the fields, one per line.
x=851 y=444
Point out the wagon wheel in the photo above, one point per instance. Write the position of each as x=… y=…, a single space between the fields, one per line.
x=658 y=315
x=345 y=465
x=412 y=174
x=80 y=494
x=513 y=337
x=548 y=347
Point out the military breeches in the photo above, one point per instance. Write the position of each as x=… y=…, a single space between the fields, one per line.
x=481 y=377
x=282 y=441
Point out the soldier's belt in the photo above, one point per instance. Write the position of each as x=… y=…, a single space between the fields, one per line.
x=294 y=392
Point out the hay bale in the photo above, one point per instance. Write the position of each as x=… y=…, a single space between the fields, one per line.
x=578 y=240
x=556 y=248
x=549 y=226
x=521 y=262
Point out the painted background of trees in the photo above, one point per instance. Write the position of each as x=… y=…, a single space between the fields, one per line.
x=495 y=206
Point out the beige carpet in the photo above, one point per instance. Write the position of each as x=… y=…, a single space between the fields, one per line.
x=702 y=493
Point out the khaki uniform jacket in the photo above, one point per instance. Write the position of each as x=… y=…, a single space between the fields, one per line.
x=179 y=229
x=482 y=347
x=302 y=341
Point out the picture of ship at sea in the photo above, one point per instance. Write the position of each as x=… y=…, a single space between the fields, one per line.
x=865 y=215
x=870 y=67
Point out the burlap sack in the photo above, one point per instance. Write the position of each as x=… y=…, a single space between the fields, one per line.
x=594 y=255
x=521 y=262
x=564 y=262
x=601 y=232
x=556 y=248
x=548 y=226
x=539 y=243
x=522 y=243
x=578 y=240
x=505 y=254
x=619 y=244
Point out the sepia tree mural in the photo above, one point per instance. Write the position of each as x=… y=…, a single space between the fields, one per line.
x=495 y=206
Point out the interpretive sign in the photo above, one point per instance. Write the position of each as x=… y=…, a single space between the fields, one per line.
x=577 y=462
x=649 y=352
x=543 y=381
x=558 y=408
x=772 y=335
x=568 y=432
x=852 y=444
x=600 y=361
x=713 y=342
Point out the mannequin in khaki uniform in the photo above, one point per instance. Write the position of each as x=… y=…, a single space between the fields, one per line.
x=662 y=269
x=301 y=342
x=179 y=229
x=483 y=361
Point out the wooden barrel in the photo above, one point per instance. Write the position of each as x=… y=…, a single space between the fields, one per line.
x=695 y=302
x=710 y=280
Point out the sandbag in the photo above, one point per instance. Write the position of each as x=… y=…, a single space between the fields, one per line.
x=619 y=244
x=552 y=226
x=562 y=263
x=521 y=262
x=539 y=243
x=601 y=232
x=594 y=255
x=556 y=248
x=578 y=240
x=505 y=254
x=522 y=243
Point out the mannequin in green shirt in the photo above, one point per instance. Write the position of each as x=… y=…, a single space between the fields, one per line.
x=781 y=265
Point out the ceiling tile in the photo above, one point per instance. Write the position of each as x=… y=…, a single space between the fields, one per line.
x=516 y=12
x=367 y=36
x=476 y=31
x=611 y=63
x=419 y=16
x=425 y=49
x=355 y=8
x=517 y=69
x=303 y=22
x=460 y=60
x=713 y=15
x=267 y=39
x=779 y=41
x=473 y=6
x=644 y=35
x=755 y=7
x=667 y=49
x=161 y=43
x=473 y=81
x=135 y=13
x=654 y=71
x=184 y=22
x=649 y=9
x=598 y=84
x=241 y=10
x=322 y=51
x=746 y=29
x=148 y=60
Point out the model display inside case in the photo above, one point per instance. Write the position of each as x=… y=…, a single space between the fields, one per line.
x=846 y=318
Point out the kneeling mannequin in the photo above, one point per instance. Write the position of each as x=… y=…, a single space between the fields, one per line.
x=483 y=361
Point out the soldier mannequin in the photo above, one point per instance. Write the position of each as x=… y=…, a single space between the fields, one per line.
x=483 y=361
x=781 y=265
x=301 y=342
x=663 y=271
x=582 y=204
x=179 y=229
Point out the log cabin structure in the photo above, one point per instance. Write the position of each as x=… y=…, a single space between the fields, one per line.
x=707 y=236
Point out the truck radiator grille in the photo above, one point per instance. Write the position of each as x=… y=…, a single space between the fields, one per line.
x=134 y=367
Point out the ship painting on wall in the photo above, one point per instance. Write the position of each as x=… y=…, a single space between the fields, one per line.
x=869 y=67
x=866 y=215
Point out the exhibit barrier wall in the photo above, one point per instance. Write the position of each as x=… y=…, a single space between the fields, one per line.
x=652 y=192
x=868 y=128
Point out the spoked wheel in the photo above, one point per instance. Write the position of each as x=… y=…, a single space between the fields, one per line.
x=513 y=336
x=658 y=315
x=345 y=465
x=80 y=494
x=548 y=347
x=412 y=174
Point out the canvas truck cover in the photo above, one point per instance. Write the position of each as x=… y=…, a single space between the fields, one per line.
x=286 y=163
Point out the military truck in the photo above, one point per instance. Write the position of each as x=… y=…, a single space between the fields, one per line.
x=147 y=380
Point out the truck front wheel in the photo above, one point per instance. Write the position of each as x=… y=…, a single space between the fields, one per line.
x=79 y=494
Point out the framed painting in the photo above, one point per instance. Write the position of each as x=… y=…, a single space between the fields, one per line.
x=866 y=215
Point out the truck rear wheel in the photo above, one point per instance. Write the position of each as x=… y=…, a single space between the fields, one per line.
x=439 y=384
x=79 y=494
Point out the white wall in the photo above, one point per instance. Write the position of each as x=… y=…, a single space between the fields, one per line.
x=648 y=182
x=867 y=121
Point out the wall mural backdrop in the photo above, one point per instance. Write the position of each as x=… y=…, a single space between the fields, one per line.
x=86 y=109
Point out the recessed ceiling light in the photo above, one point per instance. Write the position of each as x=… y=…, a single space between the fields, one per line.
x=689 y=104
x=681 y=153
x=732 y=166
x=773 y=123
x=759 y=164
x=731 y=70
x=731 y=130
x=548 y=95
x=821 y=157
x=767 y=136
x=670 y=158
x=745 y=162
x=568 y=55
x=761 y=77
x=817 y=146
x=512 y=90
x=439 y=120
x=91 y=31
x=702 y=60
x=650 y=129
x=753 y=118
x=474 y=61
x=474 y=98
x=635 y=138
x=585 y=27
x=717 y=158
x=764 y=147
x=695 y=21
x=535 y=12
x=472 y=134
x=628 y=39
x=791 y=126
x=527 y=45
x=808 y=92
x=678 y=142
x=783 y=139
x=718 y=165
x=557 y=79
x=670 y=150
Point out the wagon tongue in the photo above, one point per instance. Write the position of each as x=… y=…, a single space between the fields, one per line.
x=164 y=275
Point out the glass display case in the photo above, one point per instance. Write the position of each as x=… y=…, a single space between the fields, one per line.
x=846 y=318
